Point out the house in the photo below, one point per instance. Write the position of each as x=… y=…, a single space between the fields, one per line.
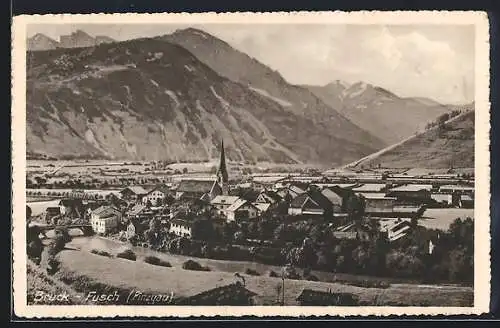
x=304 y=204
x=221 y=203
x=241 y=210
x=313 y=202
x=335 y=197
x=133 y=193
x=138 y=210
x=268 y=196
x=196 y=189
x=310 y=297
x=181 y=228
x=135 y=228
x=377 y=204
x=352 y=231
x=156 y=195
x=71 y=207
x=105 y=219
x=262 y=207
x=466 y=201
x=370 y=188
x=456 y=188
x=413 y=193
x=290 y=192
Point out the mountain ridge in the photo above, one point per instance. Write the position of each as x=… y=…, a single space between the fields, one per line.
x=151 y=99
x=77 y=39
x=379 y=111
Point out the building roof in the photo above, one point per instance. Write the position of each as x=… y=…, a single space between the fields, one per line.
x=105 y=210
x=412 y=187
x=376 y=196
x=457 y=187
x=226 y=200
x=373 y=187
x=195 y=186
x=138 y=208
x=262 y=206
x=466 y=198
x=163 y=188
x=237 y=204
x=137 y=190
x=182 y=222
x=334 y=197
x=272 y=194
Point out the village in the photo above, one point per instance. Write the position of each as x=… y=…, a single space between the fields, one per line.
x=272 y=219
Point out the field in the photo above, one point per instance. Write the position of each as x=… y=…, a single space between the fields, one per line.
x=138 y=275
x=441 y=218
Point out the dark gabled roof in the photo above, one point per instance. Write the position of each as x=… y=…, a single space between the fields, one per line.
x=197 y=186
x=164 y=189
x=298 y=201
x=137 y=190
x=273 y=195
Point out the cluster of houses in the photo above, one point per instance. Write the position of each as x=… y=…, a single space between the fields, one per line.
x=333 y=202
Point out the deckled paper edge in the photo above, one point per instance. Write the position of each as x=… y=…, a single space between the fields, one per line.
x=482 y=169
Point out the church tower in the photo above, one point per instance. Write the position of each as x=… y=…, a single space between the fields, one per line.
x=222 y=175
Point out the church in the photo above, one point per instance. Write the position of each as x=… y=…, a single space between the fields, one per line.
x=206 y=190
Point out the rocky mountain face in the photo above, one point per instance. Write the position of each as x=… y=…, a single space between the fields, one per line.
x=151 y=99
x=77 y=39
x=259 y=78
x=379 y=111
x=448 y=146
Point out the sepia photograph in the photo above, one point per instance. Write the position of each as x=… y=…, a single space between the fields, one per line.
x=333 y=162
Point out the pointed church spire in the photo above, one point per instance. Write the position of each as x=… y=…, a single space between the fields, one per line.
x=222 y=174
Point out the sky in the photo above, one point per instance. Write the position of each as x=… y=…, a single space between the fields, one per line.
x=433 y=61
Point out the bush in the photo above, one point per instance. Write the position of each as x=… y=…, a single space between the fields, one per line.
x=127 y=254
x=195 y=266
x=53 y=265
x=153 y=260
x=102 y=253
x=271 y=273
x=252 y=272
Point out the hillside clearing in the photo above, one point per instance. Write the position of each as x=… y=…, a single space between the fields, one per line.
x=141 y=276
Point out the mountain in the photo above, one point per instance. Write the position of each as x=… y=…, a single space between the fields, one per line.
x=259 y=78
x=77 y=39
x=379 y=111
x=40 y=42
x=151 y=99
x=451 y=145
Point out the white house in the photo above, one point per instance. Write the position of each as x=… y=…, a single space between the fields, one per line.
x=221 y=202
x=181 y=228
x=240 y=210
x=105 y=219
x=156 y=196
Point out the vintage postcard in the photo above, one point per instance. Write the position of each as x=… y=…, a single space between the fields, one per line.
x=271 y=164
